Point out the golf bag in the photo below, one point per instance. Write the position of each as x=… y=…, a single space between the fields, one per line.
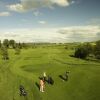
x=50 y=80
x=22 y=91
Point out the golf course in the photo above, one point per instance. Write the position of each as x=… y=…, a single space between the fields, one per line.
x=25 y=69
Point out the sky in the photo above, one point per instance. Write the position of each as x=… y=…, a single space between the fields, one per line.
x=54 y=21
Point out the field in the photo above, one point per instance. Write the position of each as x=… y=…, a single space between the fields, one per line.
x=25 y=69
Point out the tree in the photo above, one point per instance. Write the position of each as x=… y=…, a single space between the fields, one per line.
x=0 y=44
x=97 y=50
x=19 y=45
x=12 y=43
x=89 y=48
x=6 y=43
x=81 y=52
x=24 y=45
x=4 y=53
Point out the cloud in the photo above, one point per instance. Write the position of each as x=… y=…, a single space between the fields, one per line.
x=26 y=5
x=89 y=29
x=37 y=13
x=16 y=7
x=42 y=22
x=61 y=2
x=33 y=35
x=94 y=21
x=5 y=14
x=53 y=35
x=81 y=33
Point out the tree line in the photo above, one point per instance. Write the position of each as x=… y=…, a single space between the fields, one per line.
x=10 y=44
x=82 y=51
x=88 y=49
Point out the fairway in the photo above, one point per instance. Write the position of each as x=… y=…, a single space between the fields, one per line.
x=26 y=68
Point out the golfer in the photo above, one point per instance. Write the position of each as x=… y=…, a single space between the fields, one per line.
x=44 y=76
x=41 y=85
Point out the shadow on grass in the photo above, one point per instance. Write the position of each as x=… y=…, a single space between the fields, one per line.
x=38 y=86
x=63 y=78
x=93 y=60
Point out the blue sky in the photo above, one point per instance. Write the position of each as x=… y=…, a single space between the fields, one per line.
x=50 y=20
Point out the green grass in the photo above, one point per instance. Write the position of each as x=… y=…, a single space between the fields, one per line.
x=83 y=83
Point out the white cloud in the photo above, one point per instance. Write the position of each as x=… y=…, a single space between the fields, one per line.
x=94 y=21
x=37 y=13
x=58 y=35
x=89 y=29
x=5 y=14
x=26 y=5
x=61 y=2
x=16 y=7
x=42 y=22
x=81 y=33
x=72 y=2
x=33 y=35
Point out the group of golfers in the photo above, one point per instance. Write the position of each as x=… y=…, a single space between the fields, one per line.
x=43 y=80
x=49 y=79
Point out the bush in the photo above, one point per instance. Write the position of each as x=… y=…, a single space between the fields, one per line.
x=97 y=50
x=81 y=52
x=4 y=53
x=97 y=54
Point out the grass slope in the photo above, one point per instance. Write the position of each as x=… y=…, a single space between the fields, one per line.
x=83 y=83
